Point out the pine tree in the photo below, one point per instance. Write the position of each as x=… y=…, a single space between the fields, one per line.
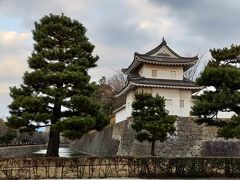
x=223 y=74
x=57 y=92
x=151 y=119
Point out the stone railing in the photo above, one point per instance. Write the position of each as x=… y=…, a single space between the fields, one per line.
x=115 y=167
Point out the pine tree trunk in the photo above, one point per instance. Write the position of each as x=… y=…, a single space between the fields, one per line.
x=53 y=143
x=153 y=148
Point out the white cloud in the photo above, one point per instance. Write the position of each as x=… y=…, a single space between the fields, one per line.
x=111 y=56
x=4 y=89
x=12 y=38
x=14 y=50
x=98 y=72
x=12 y=66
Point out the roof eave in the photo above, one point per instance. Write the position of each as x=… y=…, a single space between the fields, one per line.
x=185 y=68
x=170 y=63
x=131 y=84
x=119 y=109
x=132 y=66
x=125 y=89
x=166 y=86
x=138 y=60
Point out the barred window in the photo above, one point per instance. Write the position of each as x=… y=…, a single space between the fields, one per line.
x=154 y=73
x=181 y=103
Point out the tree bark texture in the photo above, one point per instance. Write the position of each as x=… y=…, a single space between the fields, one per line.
x=53 y=143
x=153 y=148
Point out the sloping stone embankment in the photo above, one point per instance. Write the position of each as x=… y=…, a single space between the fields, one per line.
x=189 y=140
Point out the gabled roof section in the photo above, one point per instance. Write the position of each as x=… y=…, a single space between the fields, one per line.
x=139 y=59
x=162 y=55
x=154 y=52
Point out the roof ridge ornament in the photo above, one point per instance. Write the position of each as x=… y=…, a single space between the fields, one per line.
x=164 y=42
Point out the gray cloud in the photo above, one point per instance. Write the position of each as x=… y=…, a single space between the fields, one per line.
x=119 y=28
x=216 y=21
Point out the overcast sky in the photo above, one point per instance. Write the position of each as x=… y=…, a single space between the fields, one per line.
x=117 y=28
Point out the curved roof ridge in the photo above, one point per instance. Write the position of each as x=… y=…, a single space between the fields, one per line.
x=167 y=57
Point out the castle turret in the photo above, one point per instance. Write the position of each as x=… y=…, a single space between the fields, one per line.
x=159 y=71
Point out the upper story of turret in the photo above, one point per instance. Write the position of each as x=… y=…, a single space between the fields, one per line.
x=160 y=63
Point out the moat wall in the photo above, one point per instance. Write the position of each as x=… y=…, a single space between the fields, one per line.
x=189 y=140
x=18 y=151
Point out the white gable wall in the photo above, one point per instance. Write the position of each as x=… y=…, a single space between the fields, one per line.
x=163 y=50
x=163 y=72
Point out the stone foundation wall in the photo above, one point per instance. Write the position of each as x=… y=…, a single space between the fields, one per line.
x=189 y=140
x=97 y=143
x=17 y=151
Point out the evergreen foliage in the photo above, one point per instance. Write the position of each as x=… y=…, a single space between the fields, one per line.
x=222 y=73
x=7 y=135
x=151 y=120
x=57 y=92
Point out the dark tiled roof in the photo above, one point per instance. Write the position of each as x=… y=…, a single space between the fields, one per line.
x=141 y=81
x=124 y=69
x=166 y=59
x=120 y=108
x=164 y=82
x=134 y=75
x=161 y=59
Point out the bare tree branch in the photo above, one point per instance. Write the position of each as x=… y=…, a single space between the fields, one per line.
x=117 y=81
x=195 y=70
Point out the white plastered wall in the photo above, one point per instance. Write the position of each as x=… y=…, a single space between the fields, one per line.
x=163 y=72
x=175 y=95
x=186 y=96
x=129 y=101
x=121 y=115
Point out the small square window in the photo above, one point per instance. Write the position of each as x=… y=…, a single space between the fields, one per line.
x=168 y=102
x=154 y=73
x=181 y=103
